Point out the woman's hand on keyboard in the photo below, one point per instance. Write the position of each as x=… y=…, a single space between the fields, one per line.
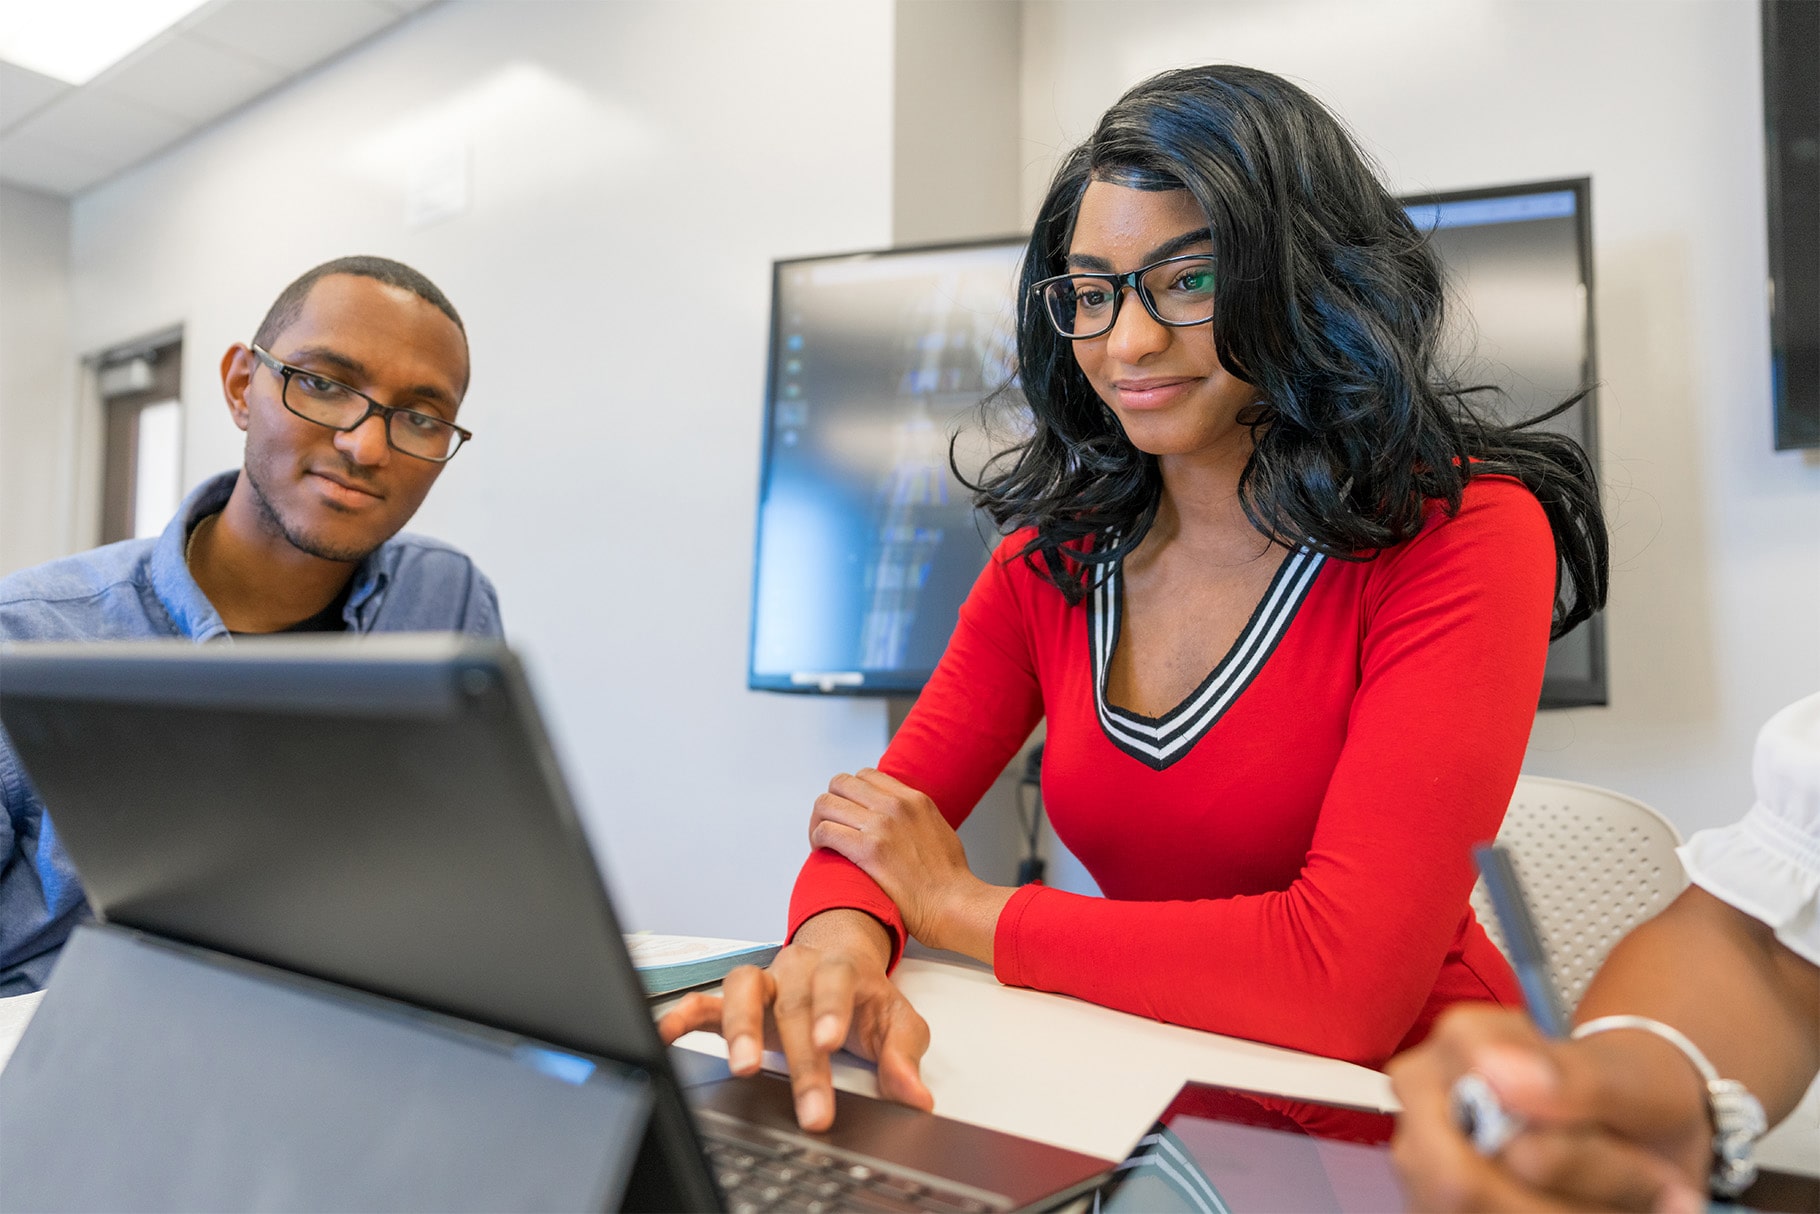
x=826 y=989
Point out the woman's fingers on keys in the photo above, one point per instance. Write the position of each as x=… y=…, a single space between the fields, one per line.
x=831 y=1003
x=811 y=1079
x=902 y=1038
x=692 y=1012
x=746 y=995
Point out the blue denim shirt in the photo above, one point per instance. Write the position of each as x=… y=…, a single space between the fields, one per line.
x=142 y=589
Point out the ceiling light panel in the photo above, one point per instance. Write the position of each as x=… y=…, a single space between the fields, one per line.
x=76 y=40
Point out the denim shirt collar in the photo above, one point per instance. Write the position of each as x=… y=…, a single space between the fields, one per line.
x=190 y=609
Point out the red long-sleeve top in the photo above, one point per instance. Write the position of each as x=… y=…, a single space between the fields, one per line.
x=1285 y=856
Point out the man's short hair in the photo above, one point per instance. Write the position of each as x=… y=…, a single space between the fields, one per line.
x=289 y=303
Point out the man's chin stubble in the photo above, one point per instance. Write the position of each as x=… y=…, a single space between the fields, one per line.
x=276 y=525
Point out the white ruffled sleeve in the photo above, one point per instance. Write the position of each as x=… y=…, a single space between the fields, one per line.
x=1768 y=865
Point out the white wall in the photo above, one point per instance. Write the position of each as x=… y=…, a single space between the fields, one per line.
x=1714 y=619
x=955 y=120
x=36 y=377
x=634 y=169
x=955 y=176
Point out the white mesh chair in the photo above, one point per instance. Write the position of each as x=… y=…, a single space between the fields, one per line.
x=1595 y=863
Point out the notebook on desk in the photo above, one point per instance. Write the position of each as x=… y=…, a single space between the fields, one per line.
x=387 y=814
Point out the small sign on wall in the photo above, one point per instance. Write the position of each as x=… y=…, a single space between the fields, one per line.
x=439 y=186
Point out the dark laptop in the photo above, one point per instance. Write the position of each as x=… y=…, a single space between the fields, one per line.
x=387 y=815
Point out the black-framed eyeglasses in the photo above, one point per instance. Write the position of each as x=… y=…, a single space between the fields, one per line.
x=1176 y=291
x=317 y=398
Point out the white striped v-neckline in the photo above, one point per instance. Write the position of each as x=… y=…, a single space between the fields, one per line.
x=1158 y=742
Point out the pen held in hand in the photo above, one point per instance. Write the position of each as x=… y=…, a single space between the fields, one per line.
x=1476 y=1108
x=1522 y=939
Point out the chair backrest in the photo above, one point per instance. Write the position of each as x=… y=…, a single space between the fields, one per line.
x=1595 y=863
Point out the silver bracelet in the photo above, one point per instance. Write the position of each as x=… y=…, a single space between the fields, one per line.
x=1737 y=1116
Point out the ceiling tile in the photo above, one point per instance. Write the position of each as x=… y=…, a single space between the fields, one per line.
x=22 y=91
x=56 y=138
x=103 y=127
x=191 y=79
x=291 y=35
x=53 y=168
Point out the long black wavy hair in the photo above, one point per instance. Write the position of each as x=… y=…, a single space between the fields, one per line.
x=1329 y=302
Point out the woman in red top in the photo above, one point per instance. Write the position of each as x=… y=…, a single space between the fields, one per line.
x=1244 y=461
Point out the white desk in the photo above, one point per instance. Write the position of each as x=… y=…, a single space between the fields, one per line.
x=15 y=1014
x=1071 y=1073
x=1091 y=1079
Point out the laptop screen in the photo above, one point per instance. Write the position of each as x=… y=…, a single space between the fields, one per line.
x=384 y=813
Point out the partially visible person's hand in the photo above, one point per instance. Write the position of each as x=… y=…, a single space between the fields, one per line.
x=825 y=990
x=1617 y=1121
x=899 y=837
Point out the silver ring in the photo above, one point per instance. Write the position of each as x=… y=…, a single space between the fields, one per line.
x=1481 y=1116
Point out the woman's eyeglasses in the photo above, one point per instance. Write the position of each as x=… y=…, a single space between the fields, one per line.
x=1177 y=291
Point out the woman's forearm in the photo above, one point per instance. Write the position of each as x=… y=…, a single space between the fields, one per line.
x=1723 y=979
x=849 y=931
x=968 y=922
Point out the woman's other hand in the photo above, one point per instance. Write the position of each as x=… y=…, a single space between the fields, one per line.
x=825 y=990
x=1617 y=1121
x=899 y=837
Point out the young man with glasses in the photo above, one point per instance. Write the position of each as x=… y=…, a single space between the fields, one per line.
x=347 y=395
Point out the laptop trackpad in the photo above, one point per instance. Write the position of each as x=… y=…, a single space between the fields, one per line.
x=1024 y=1171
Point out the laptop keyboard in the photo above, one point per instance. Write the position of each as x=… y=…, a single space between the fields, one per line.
x=761 y=1169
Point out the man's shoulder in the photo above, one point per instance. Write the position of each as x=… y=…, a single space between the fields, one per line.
x=433 y=586
x=408 y=551
x=56 y=598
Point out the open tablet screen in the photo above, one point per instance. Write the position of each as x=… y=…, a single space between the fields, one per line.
x=1219 y=1150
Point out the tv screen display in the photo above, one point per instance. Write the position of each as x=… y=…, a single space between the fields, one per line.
x=867 y=544
x=1519 y=266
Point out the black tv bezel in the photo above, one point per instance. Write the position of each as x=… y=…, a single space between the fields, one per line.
x=1793 y=286
x=1594 y=692
x=902 y=684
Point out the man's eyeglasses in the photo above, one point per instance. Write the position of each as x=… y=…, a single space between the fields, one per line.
x=1177 y=291
x=317 y=398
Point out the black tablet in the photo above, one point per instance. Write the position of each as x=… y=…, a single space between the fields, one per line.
x=1219 y=1150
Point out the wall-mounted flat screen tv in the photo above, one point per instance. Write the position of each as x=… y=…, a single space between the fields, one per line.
x=1519 y=265
x=867 y=545
x=1791 y=118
